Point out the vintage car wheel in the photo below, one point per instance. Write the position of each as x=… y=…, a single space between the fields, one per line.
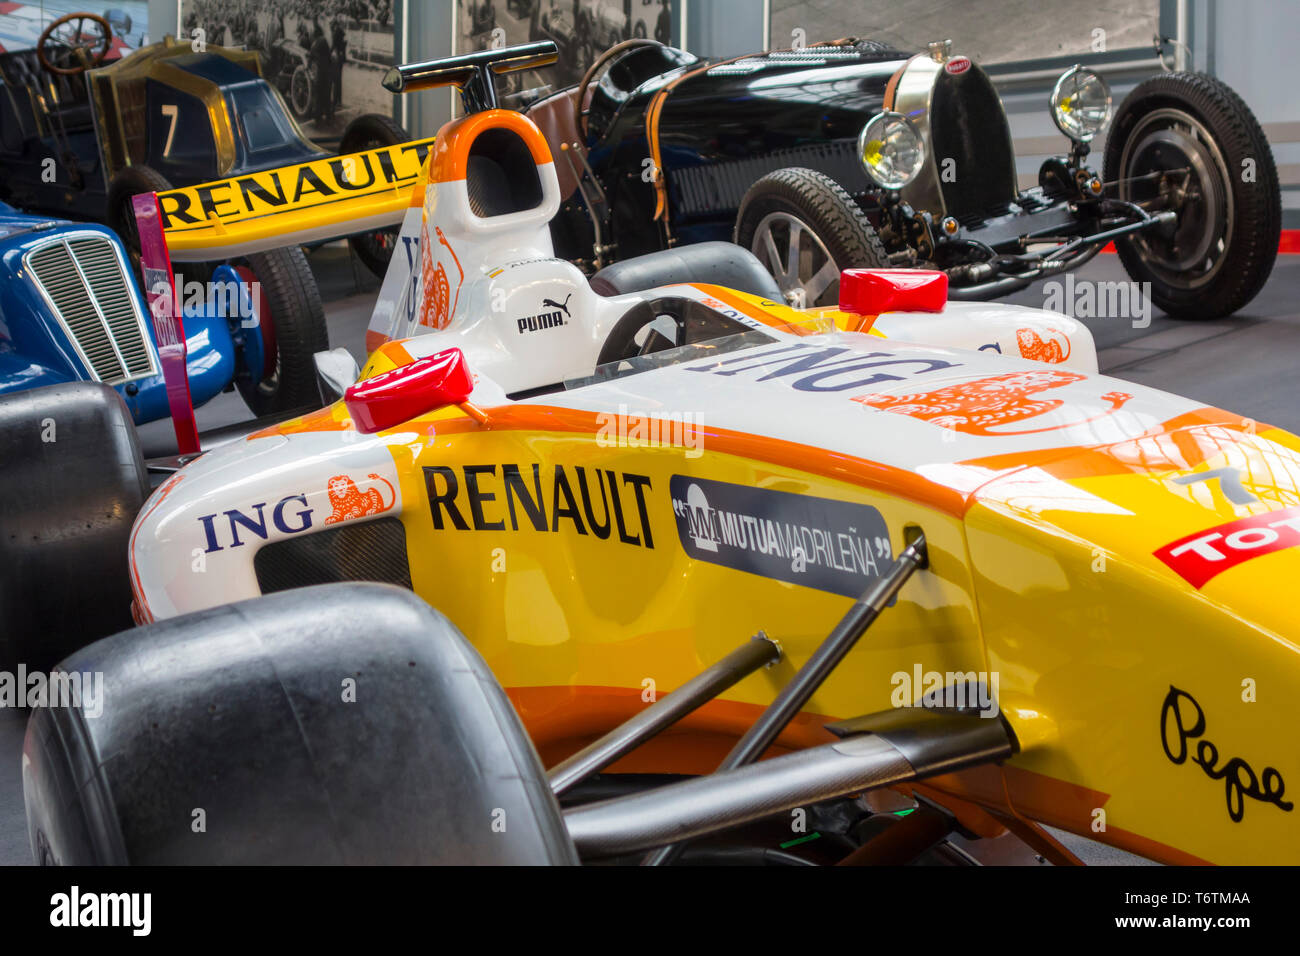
x=371 y=131
x=805 y=229
x=127 y=184
x=301 y=92
x=72 y=484
x=345 y=723
x=290 y=304
x=1222 y=250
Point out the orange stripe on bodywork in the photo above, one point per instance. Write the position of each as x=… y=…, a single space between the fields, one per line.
x=1070 y=806
x=563 y=720
x=1064 y=462
x=754 y=308
x=776 y=451
x=322 y=420
x=395 y=351
x=140 y=611
x=449 y=158
x=1181 y=443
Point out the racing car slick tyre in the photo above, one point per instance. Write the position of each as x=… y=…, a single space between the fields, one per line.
x=805 y=229
x=290 y=303
x=371 y=131
x=1220 y=253
x=72 y=483
x=339 y=724
x=128 y=183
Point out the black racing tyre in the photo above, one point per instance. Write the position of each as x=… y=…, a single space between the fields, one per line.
x=829 y=230
x=1222 y=249
x=340 y=724
x=297 y=319
x=371 y=131
x=72 y=483
x=130 y=182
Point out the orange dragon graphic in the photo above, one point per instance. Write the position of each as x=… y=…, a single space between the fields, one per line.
x=438 y=306
x=975 y=408
x=1042 y=350
x=349 y=502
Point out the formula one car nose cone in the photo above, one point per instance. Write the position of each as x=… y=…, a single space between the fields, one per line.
x=401 y=394
x=873 y=291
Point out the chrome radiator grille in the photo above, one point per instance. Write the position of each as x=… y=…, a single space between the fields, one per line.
x=85 y=283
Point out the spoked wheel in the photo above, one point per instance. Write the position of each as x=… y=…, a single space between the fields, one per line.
x=798 y=259
x=805 y=229
x=371 y=131
x=300 y=92
x=1174 y=143
x=1187 y=143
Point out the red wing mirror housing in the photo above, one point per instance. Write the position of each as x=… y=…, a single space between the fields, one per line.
x=873 y=291
x=398 y=395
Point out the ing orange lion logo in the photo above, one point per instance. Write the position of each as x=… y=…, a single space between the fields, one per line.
x=438 y=306
x=975 y=408
x=347 y=501
x=1042 y=350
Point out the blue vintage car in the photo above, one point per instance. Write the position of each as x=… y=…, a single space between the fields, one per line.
x=71 y=310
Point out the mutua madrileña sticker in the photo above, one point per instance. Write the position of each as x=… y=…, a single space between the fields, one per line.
x=821 y=543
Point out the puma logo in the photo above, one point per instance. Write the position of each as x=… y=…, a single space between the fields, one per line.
x=563 y=306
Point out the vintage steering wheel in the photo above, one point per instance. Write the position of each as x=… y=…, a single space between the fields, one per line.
x=602 y=61
x=73 y=51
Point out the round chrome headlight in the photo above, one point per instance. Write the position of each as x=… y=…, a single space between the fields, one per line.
x=891 y=150
x=1081 y=104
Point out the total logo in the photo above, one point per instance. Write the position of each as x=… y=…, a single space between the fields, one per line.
x=1202 y=556
x=293 y=515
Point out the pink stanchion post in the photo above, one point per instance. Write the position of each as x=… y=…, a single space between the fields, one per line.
x=160 y=292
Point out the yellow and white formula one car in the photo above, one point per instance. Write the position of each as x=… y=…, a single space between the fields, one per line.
x=671 y=527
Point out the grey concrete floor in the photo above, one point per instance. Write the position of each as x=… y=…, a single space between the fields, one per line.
x=1247 y=364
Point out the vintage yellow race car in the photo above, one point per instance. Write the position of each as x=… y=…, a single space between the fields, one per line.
x=954 y=596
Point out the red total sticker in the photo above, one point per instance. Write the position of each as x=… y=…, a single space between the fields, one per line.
x=1206 y=554
x=958 y=64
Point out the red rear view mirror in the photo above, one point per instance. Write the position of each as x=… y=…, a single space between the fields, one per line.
x=425 y=385
x=873 y=291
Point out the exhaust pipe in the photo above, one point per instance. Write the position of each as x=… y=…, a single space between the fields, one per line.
x=898 y=746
